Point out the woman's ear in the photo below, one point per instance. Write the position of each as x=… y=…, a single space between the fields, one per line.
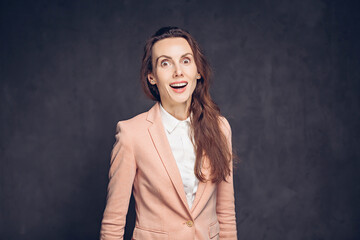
x=151 y=79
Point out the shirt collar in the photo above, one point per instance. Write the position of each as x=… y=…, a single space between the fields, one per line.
x=169 y=121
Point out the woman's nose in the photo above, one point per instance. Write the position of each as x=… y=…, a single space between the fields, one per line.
x=177 y=71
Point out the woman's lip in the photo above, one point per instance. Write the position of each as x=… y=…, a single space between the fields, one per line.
x=178 y=82
x=179 y=90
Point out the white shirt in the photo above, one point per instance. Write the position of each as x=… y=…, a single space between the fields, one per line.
x=178 y=134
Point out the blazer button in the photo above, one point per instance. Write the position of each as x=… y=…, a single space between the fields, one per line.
x=189 y=223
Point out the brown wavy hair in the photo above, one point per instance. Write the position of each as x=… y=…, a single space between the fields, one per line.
x=205 y=117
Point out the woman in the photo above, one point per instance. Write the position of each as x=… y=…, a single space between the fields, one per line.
x=176 y=158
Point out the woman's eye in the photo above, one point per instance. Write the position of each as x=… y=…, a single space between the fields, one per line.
x=165 y=63
x=186 y=60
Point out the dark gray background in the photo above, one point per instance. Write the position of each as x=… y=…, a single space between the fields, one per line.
x=286 y=75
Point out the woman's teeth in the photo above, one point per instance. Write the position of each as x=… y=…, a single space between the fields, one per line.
x=178 y=85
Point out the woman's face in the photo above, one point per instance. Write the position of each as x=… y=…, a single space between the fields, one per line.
x=174 y=71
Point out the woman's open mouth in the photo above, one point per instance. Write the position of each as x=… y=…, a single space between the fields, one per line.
x=179 y=87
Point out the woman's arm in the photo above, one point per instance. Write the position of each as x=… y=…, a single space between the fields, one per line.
x=121 y=177
x=225 y=203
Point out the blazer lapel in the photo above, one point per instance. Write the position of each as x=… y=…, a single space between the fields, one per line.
x=159 y=138
x=195 y=211
x=199 y=193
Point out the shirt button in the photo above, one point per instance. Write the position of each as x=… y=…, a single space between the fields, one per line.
x=189 y=223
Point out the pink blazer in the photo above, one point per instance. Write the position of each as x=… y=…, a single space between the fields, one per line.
x=142 y=162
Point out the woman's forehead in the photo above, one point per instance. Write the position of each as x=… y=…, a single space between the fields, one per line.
x=172 y=47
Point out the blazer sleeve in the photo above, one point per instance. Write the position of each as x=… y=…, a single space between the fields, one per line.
x=225 y=203
x=121 y=177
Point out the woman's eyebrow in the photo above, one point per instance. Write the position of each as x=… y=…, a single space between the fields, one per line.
x=165 y=56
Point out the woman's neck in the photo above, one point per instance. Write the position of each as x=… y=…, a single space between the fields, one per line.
x=178 y=111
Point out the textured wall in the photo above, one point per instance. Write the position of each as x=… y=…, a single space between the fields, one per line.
x=286 y=76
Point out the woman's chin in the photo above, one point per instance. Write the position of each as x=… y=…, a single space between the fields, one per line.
x=180 y=101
